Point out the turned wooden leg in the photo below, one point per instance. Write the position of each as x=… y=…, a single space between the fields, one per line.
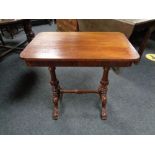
x=56 y=92
x=103 y=92
x=28 y=29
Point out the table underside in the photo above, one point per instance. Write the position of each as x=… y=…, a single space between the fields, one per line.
x=84 y=63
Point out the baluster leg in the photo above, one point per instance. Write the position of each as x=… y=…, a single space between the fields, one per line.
x=103 y=92
x=56 y=92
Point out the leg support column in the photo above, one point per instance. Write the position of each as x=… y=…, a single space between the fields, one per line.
x=103 y=92
x=56 y=92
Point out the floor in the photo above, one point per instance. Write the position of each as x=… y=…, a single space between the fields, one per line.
x=26 y=102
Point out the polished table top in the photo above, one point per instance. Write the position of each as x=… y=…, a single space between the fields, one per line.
x=80 y=46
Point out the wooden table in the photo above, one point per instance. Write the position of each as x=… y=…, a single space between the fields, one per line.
x=80 y=49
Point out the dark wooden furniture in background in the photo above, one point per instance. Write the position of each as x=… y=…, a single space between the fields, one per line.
x=25 y=23
x=67 y=25
x=35 y=22
x=1 y=39
x=126 y=26
x=80 y=49
x=147 y=27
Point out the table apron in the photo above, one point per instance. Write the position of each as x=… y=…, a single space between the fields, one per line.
x=79 y=63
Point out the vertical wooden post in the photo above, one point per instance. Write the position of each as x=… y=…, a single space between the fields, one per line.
x=56 y=92
x=103 y=92
x=28 y=29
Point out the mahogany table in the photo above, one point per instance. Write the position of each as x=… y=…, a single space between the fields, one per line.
x=80 y=49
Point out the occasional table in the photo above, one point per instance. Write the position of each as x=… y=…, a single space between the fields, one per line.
x=80 y=49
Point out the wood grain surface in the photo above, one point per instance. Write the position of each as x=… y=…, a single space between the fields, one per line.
x=80 y=46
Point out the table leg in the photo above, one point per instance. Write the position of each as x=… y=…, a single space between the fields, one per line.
x=103 y=92
x=28 y=29
x=56 y=92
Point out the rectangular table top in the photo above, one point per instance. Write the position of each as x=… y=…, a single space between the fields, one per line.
x=80 y=46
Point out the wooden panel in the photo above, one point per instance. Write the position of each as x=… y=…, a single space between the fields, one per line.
x=67 y=25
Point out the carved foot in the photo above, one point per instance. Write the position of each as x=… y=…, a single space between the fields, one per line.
x=55 y=108
x=56 y=95
x=103 y=114
x=55 y=114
